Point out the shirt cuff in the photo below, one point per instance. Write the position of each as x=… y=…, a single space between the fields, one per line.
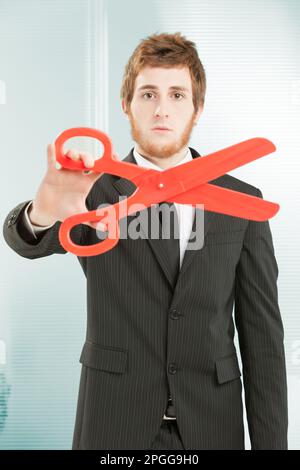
x=33 y=228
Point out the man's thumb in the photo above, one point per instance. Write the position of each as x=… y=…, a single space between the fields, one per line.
x=94 y=175
x=51 y=157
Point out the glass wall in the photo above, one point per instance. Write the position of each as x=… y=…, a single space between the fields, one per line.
x=61 y=66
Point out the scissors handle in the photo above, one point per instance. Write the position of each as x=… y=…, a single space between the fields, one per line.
x=112 y=214
x=70 y=164
x=107 y=163
x=152 y=187
x=90 y=250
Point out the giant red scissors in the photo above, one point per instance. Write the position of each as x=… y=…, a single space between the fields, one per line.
x=185 y=184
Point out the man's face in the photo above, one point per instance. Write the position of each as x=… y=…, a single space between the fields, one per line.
x=162 y=106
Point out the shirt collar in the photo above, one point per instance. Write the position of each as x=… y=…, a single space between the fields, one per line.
x=142 y=161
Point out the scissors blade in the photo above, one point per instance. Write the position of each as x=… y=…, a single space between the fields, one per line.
x=209 y=167
x=228 y=201
x=177 y=181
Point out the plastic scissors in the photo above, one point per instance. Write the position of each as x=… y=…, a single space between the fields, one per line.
x=186 y=184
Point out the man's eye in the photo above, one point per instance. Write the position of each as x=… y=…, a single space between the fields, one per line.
x=148 y=93
x=178 y=94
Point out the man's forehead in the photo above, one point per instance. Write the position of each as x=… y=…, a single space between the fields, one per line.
x=164 y=78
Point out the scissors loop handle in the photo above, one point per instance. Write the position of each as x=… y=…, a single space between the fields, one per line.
x=105 y=164
x=106 y=160
x=89 y=250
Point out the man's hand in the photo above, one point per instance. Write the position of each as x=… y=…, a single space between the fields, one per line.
x=63 y=192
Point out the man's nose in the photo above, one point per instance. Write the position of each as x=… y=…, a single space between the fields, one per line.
x=162 y=108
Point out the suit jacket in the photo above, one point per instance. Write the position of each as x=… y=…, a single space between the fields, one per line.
x=146 y=334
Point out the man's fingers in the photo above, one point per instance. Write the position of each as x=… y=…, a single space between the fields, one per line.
x=95 y=175
x=86 y=158
x=75 y=155
x=88 y=162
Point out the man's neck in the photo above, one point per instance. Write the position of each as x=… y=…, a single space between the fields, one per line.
x=167 y=162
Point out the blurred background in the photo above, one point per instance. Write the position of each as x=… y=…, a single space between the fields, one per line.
x=61 y=66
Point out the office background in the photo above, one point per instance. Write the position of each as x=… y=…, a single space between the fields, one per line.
x=61 y=65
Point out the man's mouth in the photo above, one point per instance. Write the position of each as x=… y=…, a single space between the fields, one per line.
x=161 y=129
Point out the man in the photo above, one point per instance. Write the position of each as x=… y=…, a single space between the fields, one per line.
x=159 y=365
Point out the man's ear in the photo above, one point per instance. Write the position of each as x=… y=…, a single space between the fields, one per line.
x=198 y=114
x=124 y=108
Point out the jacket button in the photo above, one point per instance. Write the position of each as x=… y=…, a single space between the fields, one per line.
x=174 y=314
x=172 y=369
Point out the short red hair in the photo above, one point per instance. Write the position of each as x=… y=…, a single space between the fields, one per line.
x=165 y=50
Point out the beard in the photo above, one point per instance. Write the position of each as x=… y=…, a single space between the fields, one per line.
x=155 y=149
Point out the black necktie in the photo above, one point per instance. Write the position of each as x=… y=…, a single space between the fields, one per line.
x=169 y=235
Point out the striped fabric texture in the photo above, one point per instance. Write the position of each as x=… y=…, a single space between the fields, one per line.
x=147 y=334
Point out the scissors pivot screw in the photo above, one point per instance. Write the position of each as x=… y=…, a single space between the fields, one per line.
x=161 y=185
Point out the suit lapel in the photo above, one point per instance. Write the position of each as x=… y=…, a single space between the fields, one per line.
x=127 y=188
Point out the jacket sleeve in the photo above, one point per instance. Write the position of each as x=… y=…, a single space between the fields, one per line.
x=21 y=240
x=34 y=229
x=261 y=339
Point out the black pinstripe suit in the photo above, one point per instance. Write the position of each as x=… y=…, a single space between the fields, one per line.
x=144 y=333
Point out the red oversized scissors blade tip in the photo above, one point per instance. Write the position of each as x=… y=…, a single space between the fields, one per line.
x=268 y=142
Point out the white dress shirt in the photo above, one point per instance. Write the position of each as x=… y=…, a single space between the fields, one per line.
x=185 y=212
x=33 y=228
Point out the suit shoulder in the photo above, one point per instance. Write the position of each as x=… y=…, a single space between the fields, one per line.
x=236 y=184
